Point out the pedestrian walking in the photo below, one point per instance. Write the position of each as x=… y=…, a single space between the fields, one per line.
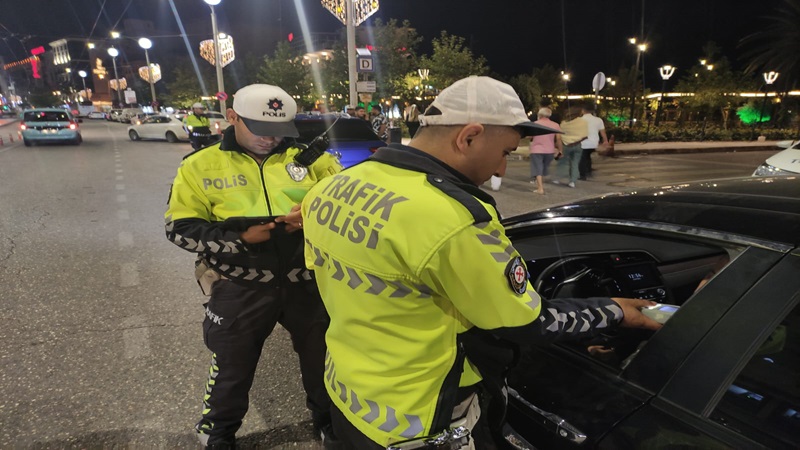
x=543 y=149
x=596 y=137
x=410 y=258
x=575 y=130
x=230 y=204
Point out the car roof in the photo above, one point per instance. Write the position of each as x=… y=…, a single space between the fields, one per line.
x=766 y=208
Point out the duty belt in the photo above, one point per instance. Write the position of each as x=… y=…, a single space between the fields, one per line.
x=465 y=414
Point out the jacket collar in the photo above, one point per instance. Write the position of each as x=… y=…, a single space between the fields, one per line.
x=410 y=158
x=229 y=143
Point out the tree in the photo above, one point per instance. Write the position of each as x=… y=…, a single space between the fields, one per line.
x=286 y=69
x=775 y=47
x=529 y=91
x=713 y=84
x=183 y=83
x=395 y=55
x=451 y=61
x=550 y=83
x=335 y=75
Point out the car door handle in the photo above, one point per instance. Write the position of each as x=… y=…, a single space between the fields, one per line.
x=552 y=422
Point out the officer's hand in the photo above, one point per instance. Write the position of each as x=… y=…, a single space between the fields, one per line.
x=258 y=233
x=633 y=317
x=293 y=220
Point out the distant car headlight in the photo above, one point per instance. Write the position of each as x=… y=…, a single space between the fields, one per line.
x=768 y=170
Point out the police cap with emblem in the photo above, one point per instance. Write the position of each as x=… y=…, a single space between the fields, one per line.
x=266 y=110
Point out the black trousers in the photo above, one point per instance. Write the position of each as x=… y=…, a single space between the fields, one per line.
x=238 y=320
x=585 y=164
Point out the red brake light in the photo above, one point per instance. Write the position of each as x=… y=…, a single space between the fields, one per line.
x=22 y=126
x=73 y=125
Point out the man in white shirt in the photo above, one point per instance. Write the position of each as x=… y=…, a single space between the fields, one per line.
x=597 y=136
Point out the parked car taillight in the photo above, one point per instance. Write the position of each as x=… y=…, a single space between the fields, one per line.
x=73 y=125
x=22 y=126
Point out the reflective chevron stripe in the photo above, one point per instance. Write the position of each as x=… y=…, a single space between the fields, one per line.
x=220 y=247
x=375 y=411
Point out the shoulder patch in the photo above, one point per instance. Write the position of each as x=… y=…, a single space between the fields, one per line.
x=517 y=275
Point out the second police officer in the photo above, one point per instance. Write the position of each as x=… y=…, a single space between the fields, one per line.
x=198 y=126
x=231 y=204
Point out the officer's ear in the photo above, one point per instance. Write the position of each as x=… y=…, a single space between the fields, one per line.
x=231 y=115
x=467 y=134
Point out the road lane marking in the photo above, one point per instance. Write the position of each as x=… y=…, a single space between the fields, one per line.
x=120 y=187
x=123 y=214
x=122 y=198
x=129 y=275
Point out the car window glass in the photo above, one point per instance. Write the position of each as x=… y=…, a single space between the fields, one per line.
x=764 y=400
x=583 y=265
x=46 y=116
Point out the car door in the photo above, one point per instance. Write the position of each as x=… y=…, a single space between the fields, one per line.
x=563 y=397
x=740 y=387
x=151 y=128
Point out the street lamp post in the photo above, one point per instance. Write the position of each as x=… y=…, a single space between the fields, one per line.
x=640 y=48
x=769 y=78
x=217 y=53
x=83 y=74
x=114 y=53
x=666 y=72
x=146 y=44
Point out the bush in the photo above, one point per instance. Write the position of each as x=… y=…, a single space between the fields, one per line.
x=696 y=132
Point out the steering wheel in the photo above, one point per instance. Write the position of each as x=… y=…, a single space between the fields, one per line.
x=577 y=277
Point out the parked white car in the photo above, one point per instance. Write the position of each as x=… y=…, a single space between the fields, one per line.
x=786 y=162
x=169 y=127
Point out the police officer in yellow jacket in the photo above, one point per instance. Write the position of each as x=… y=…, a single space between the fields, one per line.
x=198 y=126
x=229 y=204
x=410 y=255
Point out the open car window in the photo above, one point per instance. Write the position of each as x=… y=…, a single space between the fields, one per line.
x=577 y=263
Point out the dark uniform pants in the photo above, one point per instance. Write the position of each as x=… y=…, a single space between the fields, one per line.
x=238 y=321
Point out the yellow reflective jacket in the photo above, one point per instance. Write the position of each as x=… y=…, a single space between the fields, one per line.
x=192 y=121
x=409 y=256
x=222 y=181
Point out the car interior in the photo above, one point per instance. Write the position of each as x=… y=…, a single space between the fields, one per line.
x=574 y=261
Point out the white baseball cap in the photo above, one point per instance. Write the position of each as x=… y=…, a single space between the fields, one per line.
x=482 y=100
x=198 y=105
x=266 y=110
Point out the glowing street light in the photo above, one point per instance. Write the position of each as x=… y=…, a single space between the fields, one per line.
x=217 y=54
x=641 y=47
x=769 y=78
x=83 y=74
x=114 y=53
x=666 y=72
x=146 y=44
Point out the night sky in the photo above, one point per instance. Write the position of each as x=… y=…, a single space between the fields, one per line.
x=514 y=35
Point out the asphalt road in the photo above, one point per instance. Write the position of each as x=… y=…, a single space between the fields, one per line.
x=102 y=341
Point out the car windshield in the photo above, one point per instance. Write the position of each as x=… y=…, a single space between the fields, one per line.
x=46 y=116
x=342 y=130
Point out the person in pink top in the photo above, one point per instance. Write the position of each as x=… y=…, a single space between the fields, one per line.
x=543 y=149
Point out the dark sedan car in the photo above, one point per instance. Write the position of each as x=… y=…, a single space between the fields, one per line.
x=723 y=372
x=351 y=139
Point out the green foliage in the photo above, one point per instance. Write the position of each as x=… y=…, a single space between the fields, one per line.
x=285 y=69
x=335 y=76
x=693 y=133
x=775 y=46
x=395 y=55
x=529 y=91
x=183 y=85
x=750 y=114
x=451 y=61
